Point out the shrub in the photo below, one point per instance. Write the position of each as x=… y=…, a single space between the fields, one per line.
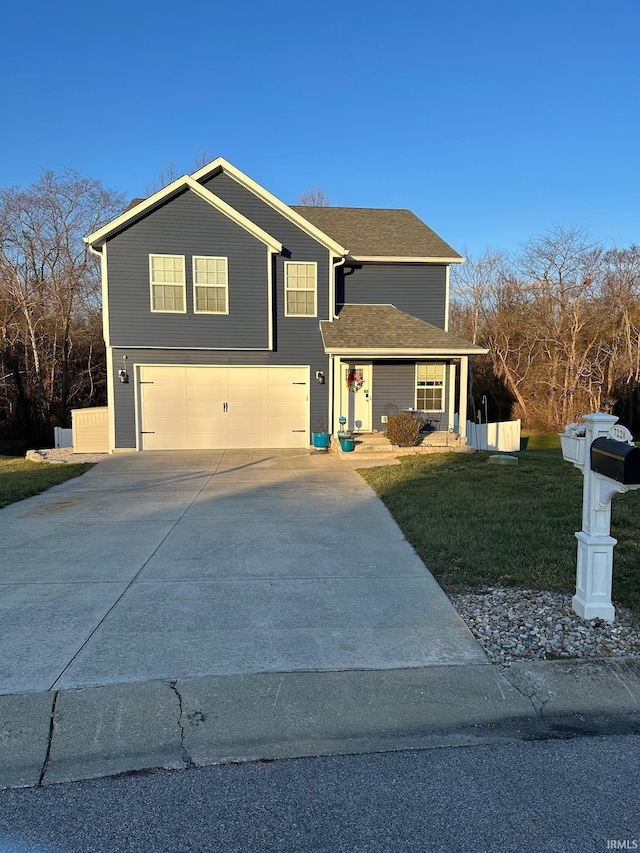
x=403 y=430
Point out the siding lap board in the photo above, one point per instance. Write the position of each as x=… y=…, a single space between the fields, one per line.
x=416 y=289
x=187 y=226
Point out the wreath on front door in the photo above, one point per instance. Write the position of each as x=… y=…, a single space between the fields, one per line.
x=355 y=380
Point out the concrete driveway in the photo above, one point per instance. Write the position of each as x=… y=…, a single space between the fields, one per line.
x=196 y=563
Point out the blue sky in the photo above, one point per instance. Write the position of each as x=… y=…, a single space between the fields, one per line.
x=493 y=120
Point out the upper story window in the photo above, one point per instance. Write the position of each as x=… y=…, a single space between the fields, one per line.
x=167 y=283
x=430 y=387
x=210 y=285
x=300 y=289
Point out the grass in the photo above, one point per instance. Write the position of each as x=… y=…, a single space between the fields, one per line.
x=474 y=524
x=21 y=478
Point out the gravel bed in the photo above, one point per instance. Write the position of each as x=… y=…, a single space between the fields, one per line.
x=63 y=456
x=522 y=624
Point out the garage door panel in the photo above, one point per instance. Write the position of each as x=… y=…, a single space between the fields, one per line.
x=244 y=393
x=289 y=409
x=165 y=441
x=206 y=375
x=154 y=411
x=205 y=410
x=185 y=407
x=208 y=425
x=240 y=440
x=288 y=439
x=167 y=393
x=207 y=441
x=162 y=374
x=276 y=424
x=212 y=394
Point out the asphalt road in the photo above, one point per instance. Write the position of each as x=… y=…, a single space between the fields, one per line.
x=554 y=796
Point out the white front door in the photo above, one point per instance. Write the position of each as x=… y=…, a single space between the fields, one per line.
x=356 y=396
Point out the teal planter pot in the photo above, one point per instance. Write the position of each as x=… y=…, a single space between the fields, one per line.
x=347 y=444
x=321 y=440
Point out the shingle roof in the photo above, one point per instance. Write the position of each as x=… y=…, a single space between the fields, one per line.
x=372 y=232
x=133 y=203
x=384 y=327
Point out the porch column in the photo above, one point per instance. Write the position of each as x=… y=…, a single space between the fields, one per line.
x=464 y=393
x=452 y=396
x=336 y=391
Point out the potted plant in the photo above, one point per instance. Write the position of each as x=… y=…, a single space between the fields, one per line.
x=573 y=443
x=322 y=438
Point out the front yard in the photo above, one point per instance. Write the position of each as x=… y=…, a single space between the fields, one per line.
x=21 y=478
x=476 y=524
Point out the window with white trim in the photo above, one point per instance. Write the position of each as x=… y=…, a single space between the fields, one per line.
x=300 y=287
x=168 y=288
x=430 y=387
x=210 y=285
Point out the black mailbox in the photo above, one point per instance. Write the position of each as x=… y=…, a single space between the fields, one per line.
x=616 y=460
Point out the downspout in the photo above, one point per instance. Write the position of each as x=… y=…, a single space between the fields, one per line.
x=334 y=316
x=332 y=306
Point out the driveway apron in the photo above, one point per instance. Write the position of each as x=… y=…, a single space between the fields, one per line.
x=194 y=563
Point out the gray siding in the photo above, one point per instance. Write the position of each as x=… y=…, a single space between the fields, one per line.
x=297 y=246
x=394 y=382
x=187 y=226
x=124 y=395
x=417 y=289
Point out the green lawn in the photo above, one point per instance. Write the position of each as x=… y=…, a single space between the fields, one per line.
x=475 y=524
x=20 y=478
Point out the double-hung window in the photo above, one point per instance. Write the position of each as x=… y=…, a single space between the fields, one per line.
x=167 y=283
x=300 y=286
x=430 y=387
x=210 y=285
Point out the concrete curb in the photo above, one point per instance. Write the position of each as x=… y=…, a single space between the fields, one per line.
x=88 y=733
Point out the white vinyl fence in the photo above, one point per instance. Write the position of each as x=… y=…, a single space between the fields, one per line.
x=62 y=437
x=503 y=436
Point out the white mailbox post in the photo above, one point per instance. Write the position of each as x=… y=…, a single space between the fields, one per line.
x=595 y=544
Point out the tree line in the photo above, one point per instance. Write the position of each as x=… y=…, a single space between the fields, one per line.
x=52 y=354
x=561 y=320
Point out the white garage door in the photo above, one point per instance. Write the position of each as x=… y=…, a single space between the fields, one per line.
x=223 y=407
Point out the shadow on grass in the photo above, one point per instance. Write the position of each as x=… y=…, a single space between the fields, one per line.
x=474 y=524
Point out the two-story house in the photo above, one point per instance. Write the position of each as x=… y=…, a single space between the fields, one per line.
x=233 y=320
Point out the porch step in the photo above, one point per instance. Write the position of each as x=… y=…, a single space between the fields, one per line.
x=374 y=444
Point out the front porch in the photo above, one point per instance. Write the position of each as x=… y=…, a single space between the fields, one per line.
x=375 y=444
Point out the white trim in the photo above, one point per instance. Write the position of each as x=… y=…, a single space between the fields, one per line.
x=442 y=384
x=446 y=299
x=195 y=284
x=188 y=349
x=153 y=284
x=222 y=165
x=452 y=367
x=216 y=364
x=313 y=264
x=372 y=352
x=111 y=407
x=185 y=182
x=464 y=392
x=331 y=412
x=137 y=406
x=393 y=259
x=269 y=299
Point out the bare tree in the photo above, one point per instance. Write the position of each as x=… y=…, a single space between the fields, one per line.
x=315 y=197
x=49 y=286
